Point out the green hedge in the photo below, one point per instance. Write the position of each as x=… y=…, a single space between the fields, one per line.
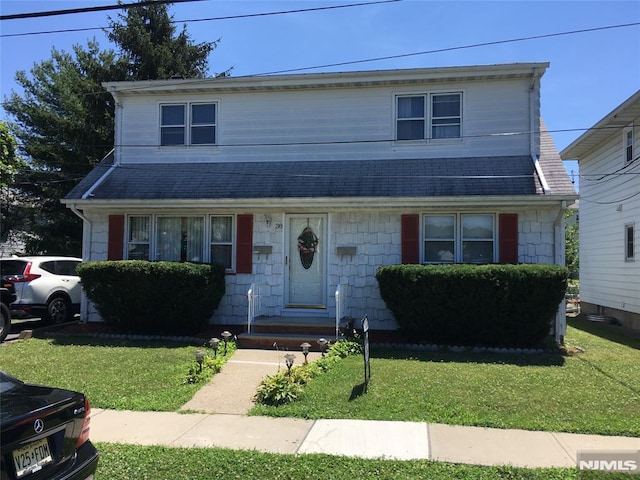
x=474 y=305
x=136 y=296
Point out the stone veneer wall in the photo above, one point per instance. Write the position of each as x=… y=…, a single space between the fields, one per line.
x=374 y=234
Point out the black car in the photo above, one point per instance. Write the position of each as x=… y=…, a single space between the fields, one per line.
x=44 y=433
x=7 y=297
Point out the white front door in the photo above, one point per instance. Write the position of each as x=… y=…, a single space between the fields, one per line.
x=306 y=285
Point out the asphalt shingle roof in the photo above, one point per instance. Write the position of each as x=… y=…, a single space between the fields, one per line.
x=331 y=178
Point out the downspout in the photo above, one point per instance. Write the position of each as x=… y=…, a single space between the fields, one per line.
x=559 y=257
x=87 y=227
x=534 y=129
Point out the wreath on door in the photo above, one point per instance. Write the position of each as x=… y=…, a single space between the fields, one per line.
x=307 y=245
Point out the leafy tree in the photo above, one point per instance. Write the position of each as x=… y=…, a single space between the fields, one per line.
x=10 y=201
x=572 y=247
x=65 y=118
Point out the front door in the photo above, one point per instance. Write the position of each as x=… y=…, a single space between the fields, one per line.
x=306 y=285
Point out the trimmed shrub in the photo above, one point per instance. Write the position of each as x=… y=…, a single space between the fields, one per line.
x=483 y=305
x=136 y=296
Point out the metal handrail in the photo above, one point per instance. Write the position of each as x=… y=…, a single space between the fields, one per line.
x=340 y=304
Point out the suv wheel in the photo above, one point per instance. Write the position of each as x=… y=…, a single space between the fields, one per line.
x=5 y=321
x=58 y=310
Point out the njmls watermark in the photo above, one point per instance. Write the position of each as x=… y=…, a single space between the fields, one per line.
x=609 y=460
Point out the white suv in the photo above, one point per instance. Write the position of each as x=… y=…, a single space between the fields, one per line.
x=46 y=287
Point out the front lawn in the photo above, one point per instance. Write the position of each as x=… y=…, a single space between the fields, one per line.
x=120 y=462
x=114 y=374
x=595 y=391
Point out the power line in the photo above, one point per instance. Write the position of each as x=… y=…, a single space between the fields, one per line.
x=450 y=49
x=230 y=17
x=101 y=8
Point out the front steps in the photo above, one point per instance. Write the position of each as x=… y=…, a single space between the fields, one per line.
x=288 y=333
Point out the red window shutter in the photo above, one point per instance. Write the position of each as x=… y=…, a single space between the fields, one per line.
x=410 y=238
x=115 y=243
x=244 y=247
x=508 y=243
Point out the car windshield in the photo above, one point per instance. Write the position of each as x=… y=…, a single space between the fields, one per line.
x=12 y=267
x=7 y=383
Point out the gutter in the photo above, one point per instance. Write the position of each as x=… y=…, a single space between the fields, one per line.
x=534 y=129
x=97 y=183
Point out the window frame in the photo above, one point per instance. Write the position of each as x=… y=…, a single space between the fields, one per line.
x=459 y=239
x=233 y=243
x=131 y=243
x=430 y=120
x=628 y=145
x=188 y=124
x=206 y=240
x=629 y=242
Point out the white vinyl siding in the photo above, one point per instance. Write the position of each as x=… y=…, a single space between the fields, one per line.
x=608 y=201
x=345 y=124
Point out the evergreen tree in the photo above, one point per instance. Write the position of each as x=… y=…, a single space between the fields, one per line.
x=146 y=37
x=64 y=120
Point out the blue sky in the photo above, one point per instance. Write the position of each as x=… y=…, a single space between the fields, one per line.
x=590 y=73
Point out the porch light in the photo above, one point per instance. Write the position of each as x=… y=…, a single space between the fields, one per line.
x=322 y=343
x=305 y=350
x=225 y=337
x=289 y=358
x=199 y=359
x=214 y=342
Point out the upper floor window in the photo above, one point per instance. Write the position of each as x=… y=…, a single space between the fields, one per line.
x=459 y=238
x=628 y=145
x=629 y=250
x=429 y=116
x=196 y=128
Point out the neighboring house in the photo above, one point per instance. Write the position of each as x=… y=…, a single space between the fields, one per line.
x=303 y=185
x=609 y=159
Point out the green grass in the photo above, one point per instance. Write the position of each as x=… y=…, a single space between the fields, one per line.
x=120 y=462
x=597 y=391
x=114 y=374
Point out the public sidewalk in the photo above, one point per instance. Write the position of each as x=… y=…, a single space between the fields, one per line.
x=224 y=423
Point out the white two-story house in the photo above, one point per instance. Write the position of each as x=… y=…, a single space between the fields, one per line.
x=303 y=185
x=608 y=156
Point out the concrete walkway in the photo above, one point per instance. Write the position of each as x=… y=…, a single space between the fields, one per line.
x=223 y=422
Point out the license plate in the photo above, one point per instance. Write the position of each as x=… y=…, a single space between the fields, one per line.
x=32 y=457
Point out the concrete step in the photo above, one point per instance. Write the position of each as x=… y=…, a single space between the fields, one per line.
x=281 y=341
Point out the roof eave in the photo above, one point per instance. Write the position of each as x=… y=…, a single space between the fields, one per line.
x=618 y=118
x=475 y=201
